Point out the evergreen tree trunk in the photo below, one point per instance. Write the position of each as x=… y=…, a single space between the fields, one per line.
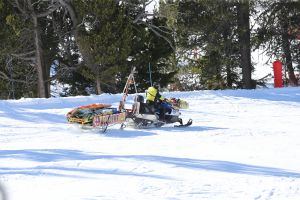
x=244 y=40
x=287 y=51
x=42 y=87
x=43 y=91
x=98 y=85
x=229 y=79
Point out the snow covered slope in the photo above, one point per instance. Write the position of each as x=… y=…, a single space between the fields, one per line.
x=243 y=144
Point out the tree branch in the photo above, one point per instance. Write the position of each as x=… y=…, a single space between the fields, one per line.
x=50 y=10
x=5 y=77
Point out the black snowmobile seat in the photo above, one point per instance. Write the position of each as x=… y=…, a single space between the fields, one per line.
x=142 y=108
x=139 y=98
x=146 y=108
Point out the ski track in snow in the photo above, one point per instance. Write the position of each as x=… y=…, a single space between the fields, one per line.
x=243 y=144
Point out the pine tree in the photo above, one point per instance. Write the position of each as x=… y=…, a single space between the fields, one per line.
x=207 y=32
x=16 y=74
x=152 y=54
x=104 y=37
x=274 y=33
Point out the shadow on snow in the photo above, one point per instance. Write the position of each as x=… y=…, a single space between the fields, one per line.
x=34 y=117
x=53 y=155
x=59 y=172
x=191 y=128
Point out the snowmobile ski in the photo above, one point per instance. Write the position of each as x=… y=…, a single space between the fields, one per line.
x=185 y=125
x=144 y=124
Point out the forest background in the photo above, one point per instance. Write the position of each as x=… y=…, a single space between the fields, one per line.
x=90 y=46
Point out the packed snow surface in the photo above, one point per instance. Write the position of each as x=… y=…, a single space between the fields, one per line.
x=243 y=144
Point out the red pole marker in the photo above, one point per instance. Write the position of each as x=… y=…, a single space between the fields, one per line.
x=277 y=66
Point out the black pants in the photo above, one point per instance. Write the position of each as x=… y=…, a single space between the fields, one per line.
x=153 y=106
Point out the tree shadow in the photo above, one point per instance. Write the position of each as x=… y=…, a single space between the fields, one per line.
x=128 y=133
x=191 y=128
x=54 y=155
x=47 y=155
x=72 y=172
x=34 y=117
x=221 y=166
x=17 y=110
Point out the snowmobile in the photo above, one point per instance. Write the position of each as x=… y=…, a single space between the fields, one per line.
x=144 y=115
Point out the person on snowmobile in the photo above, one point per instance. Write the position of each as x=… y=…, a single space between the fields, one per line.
x=153 y=97
x=156 y=100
